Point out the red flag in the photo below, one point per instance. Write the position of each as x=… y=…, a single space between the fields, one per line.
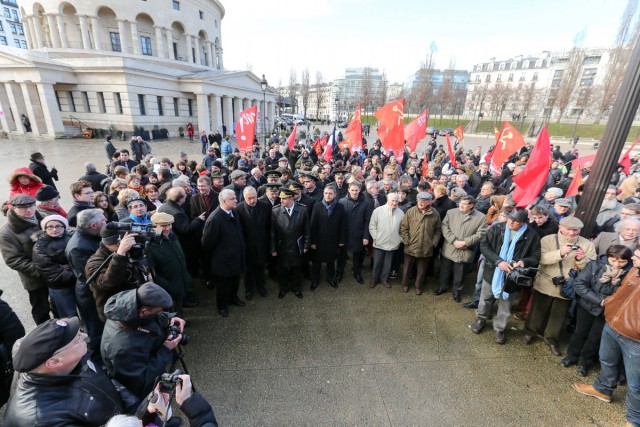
x=508 y=142
x=323 y=141
x=328 y=150
x=416 y=130
x=577 y=182
x=451 y=154
x=579 y=163
x=246 y=129
x=353 y=133
x=292 y=138
x=391 y=129
x=317 y=147
x=459 y=133
x=626 y=159
x=530 y=181
x=424 y=164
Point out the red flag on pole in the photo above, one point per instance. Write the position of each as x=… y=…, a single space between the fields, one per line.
x=317 y=147
x=328 y=150
x=292 y=138
x=451 y=154
x=459 y=133
x=496 y=133
x=246 y=129
x=416 y=130
x=353 y=133
x=424 y=164
x=530 y=181
x=626 y=158
x=579 y=163
x=508 y=142
x=573 y=187
x=391 y=129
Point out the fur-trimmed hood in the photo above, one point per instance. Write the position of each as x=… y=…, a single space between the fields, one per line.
x=13 y=179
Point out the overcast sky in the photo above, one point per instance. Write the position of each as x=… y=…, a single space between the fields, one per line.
x=274 y=37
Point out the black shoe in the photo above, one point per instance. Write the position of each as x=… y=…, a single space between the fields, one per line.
x=583 y=371
x=358 y=278
x=439 y=292
x=457 y=297
x=338 y=277
x=313 y=286
x=281 y=294
x=298 y=294
x=566 y=362
x=470 y=305
x=262 y=292
x=248 y=296
x=333 y=283
x=223 y=312
x=189 y=303
x=238 y=302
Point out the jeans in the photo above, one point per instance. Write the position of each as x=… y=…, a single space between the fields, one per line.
x=65 y=301
x=613 y=348
x=476 y=295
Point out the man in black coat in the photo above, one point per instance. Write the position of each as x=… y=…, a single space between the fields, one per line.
x=39 y=169
x=223 y=239
x=124 y=161
x=328 y=234
x=255 y=217
x=96 y=178
x=290 y=237
x=358 y=213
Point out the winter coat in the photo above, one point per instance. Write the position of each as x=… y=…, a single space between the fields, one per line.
x=527 y=249
x=550 y=226
x=443 y=205
x=140 y=150
x=41 y=171
x=550 y=262
x=328 y=232
x=50 y=260
x=16 y=246
x=169 y=265
x=420 y=232
x=131 y=346
x=80 y=248
x=384 y=228
x=589 y=291
x=458 y=226
x=257 y=232
x=358 y=214
x=198 y=204
x=288 y=232
x=604 y=240
x=31 y=188
x=96 y=179
x=222 y=238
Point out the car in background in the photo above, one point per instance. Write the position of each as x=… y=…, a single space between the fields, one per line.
x=445 y=131
x=432 y=129
x=343 y=124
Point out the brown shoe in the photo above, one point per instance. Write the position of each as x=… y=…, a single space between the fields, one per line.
x=590 y=391
x=372 y=284
x=527 y=339
x=386 y=284
x=418 y=291
x=405 y=289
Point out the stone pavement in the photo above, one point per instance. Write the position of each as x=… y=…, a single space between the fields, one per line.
x=348 y=356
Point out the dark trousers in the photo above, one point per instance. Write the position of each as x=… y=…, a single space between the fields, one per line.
x=398 y=258
x=272 y=266
x=356 y=261
x=381 y=265
x=39 y=300
x=447 y=268
x=178 y=306
x=421 y=269
x=585 y=341
x=547 y=316
x=226 y=290
x=331 y=271
x=289 y=278
x=253 y=278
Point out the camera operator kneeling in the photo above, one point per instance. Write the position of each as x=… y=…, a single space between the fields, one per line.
x=139 y=337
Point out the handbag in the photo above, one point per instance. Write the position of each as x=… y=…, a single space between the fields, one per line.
x=567 y=290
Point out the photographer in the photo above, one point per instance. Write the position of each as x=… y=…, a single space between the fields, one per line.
x=505 y=246
x=116 y=271
x=562 y=252
x=137 y=343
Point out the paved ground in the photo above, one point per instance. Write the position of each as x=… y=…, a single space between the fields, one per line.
x=351 y=356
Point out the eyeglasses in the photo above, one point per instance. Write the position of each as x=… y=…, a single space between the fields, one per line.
x=54 y=227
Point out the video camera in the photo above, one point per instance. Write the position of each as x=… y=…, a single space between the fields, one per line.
x=145 y=233
x=520 y=277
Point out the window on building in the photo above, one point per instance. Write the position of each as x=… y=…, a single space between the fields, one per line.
x=160 y=108
x=488 y=78
x=499 y=79
x=101 y=104
x=589 y=72
x=146 y=45
x=479 y=67
x=539 y=63
x=58 y=100
x=3 y=40
x=176 y=109
x=514 y=65
x=510 y=79
x=71 y=101
x=7 y=13
x=23 y=43
x=143 y=110
x=490 y=67
x=115 y=42
x=20 y=29
x=558 y=73
x=478 y=78
x=85 y=100
x=201 y=14
x=118 y=102
x=16 y=42
x=15 y=15
x=14 y=29
x=190 y=106
x=525 y=64
x=535 y=77
x=502 y=66
x=1 y=28
x=176 y=5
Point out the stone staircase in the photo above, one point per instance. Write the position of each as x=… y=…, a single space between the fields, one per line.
x=72 y=132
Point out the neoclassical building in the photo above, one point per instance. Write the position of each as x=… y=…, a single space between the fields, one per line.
x=115 y=64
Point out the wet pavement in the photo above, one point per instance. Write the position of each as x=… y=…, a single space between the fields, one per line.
x=352 y=355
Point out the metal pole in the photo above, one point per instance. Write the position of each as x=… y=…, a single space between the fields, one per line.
x=613 y=140
x=264 y=119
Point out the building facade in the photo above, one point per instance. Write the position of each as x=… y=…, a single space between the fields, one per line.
x=11 y=27
x=109 y=64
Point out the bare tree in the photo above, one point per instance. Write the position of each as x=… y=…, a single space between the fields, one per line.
x=280 y=99
x=499 y=97
x=570 y=76
x=618 y=59
x=318 y=94
x=366 y=91
x=292 y=91
x=304 y=91
x=382 y=95
x=444 y=96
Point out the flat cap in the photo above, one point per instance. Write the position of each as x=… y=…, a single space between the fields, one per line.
x=237 y=174
x=563 y=202
x=571 y=222
x=152 y=295
x=109 y=237
x=519 y=215
x=22 y=200
x=46 y=193
x=423 y=195
x=162 y=218
x=40 y=344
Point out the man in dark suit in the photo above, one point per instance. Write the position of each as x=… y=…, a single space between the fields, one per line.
x=289 y=241
x=255 y=217
x=124 y=161
x=223 y=239
x=206 y=200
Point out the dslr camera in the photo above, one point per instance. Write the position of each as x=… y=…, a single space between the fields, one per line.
x=558 y=280
x=522 y=276
x=145 y=234
x=168 y=381
x=173 y=331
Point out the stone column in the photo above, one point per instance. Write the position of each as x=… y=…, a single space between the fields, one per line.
x=3 y=117
x=203 y=112
x=29 y=105
x=196 y=46
x=14 y=107
x=84 y=32
x=64 y=40
x=50 y=110
x=189 y=55
x=237 y=107
x=220 y=63
x=54 y=34
x=169 y=36
x=37 y=26
x=26 y=24
x=216 y=113
x=95 y=30
x=271 y=113
x=122 y=30
x=137 y=47
x=161 y=52
x=227 y=112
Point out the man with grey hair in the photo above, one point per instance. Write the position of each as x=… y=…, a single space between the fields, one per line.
x=183 y=182
x=257 y=179
x=461 y=182
x=384 y=228
x=610 y=207
x=549 y=198
x=222 y=238
x=626 y=236
x=96 y=178
x=373 y=195
x=82 y=245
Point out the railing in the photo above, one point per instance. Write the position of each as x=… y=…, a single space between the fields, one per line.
x=79 y=125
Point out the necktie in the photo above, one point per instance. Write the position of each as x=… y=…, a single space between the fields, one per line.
x=230 y=214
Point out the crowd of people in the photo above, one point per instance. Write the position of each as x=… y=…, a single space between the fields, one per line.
x=139 y=237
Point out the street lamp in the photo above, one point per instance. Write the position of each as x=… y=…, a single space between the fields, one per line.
x=263 y=86
x=337 y=103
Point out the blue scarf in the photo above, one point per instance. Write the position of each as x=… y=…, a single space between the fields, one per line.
x=138 y=220
x=329 y=207
x=506 y=254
